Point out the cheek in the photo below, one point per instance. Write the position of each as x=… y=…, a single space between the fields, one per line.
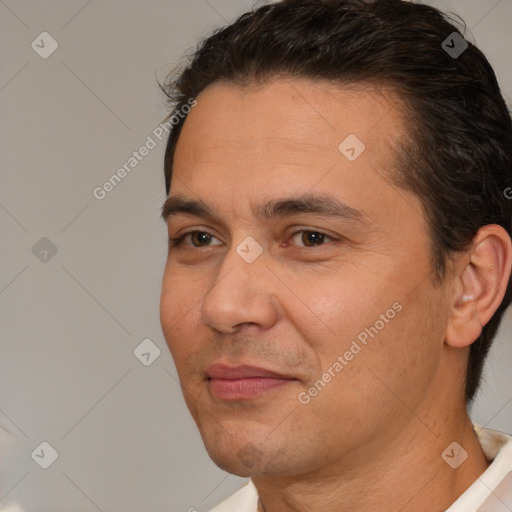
x=374 y=323
x=178 y=313
x=400 y=358
x=334 y=307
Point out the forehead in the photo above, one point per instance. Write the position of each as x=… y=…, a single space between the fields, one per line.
x=287 y=132
x=292 y=120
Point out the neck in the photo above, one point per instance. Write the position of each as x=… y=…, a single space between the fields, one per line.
x=408 y=474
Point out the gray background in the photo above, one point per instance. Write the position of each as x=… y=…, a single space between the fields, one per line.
x=70 y=324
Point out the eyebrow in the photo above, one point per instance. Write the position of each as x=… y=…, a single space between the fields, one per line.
x=324 y=205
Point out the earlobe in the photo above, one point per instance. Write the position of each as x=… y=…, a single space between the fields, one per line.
x=464 y=325
x=481 y=284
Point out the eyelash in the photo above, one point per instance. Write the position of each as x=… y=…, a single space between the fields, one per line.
x=179 y=241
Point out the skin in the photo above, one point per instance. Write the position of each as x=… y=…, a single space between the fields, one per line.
x=372 y=438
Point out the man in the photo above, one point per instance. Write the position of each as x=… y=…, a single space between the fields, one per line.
x=340 y=257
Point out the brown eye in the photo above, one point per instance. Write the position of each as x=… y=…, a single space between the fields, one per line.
x=309 y=238
x=198 y=239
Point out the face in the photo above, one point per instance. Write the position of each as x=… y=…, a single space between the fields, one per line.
x=297 y=299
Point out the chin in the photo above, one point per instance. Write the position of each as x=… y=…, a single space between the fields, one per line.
x=237 y=454
x=232 y=462
x=245 y=458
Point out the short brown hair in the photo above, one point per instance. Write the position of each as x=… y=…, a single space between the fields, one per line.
x=458 y=156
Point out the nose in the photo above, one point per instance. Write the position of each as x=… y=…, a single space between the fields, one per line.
x=243 y=293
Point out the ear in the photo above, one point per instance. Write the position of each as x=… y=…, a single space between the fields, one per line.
x=481 y=280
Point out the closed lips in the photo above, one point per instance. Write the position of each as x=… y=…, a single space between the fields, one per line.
x=224 y=372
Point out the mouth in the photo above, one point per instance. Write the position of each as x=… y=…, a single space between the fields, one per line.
x=243 y=382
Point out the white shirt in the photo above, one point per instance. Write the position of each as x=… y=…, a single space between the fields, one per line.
x=491 y=492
